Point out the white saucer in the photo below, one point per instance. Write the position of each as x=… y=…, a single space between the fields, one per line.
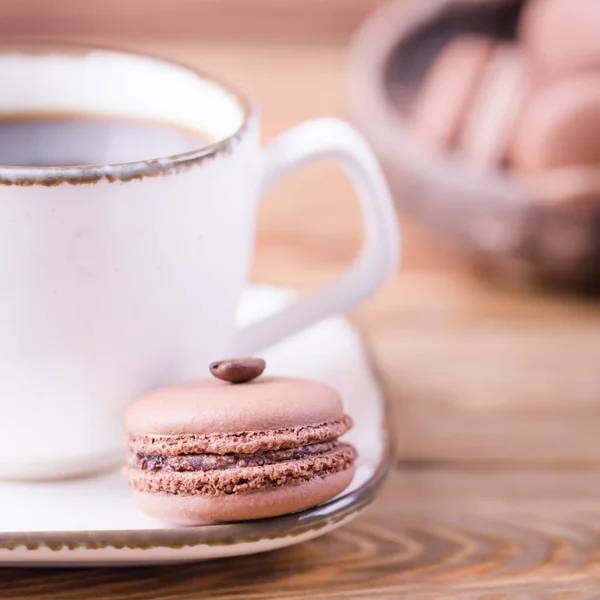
x=94 y=521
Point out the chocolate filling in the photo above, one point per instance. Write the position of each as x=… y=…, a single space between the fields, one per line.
x=210 y=462
x=244 y=479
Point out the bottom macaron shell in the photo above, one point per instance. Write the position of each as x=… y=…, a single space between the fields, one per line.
x=181 y=509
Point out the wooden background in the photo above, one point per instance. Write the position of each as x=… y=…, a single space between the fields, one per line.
x=273 y=20
x=496 y=394
x=443 y=534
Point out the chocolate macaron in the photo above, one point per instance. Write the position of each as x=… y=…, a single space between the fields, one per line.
x=211 y=451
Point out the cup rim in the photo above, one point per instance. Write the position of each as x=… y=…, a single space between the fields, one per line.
x=50 y=176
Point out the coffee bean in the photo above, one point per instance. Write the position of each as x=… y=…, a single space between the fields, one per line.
x=238 y=370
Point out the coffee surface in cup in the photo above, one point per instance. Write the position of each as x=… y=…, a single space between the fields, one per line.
x=46 y=140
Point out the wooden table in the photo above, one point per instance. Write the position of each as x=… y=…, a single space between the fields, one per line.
x=434 y=533
x=496 y=399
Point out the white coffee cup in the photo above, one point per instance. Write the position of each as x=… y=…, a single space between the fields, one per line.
x=118 y=278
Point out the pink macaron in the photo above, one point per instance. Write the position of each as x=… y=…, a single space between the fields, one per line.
x=559 y=126
x=490 y=123
x=561 y=35
x=211 y=451
x=446 y=93
x=470 y=98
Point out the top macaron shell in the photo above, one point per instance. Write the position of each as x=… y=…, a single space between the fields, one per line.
x=213 y=406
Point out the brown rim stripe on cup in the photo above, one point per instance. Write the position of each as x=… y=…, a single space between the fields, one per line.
x=125 y=171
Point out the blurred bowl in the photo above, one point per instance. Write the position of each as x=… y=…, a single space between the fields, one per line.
x=531 y=230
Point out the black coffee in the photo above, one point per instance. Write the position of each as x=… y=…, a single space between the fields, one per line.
x=56 y=141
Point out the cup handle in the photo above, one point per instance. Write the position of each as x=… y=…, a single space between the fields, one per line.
x=380 y=253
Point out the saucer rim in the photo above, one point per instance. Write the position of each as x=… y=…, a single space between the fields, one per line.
x=324 y=515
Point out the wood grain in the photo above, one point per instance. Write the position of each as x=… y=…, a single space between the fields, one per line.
x=445 y=534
